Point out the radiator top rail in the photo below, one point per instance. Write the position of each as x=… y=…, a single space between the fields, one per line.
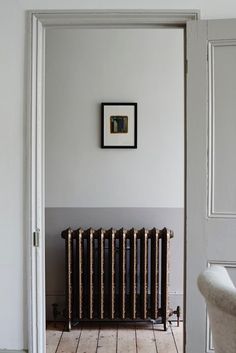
x=117 y=232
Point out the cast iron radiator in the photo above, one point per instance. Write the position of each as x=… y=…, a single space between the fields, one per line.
x=117 y=274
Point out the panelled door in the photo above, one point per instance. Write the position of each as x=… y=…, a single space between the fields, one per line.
x=211 y=164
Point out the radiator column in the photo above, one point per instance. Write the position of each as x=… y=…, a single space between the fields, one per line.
x=101 y=259
x=122 y=272
x=68 y=236
x=79 y=260
x=112 y=289
x=154 y=234
x=143 y=272
x=165 y=246
x=90 y=273
x=133 y=271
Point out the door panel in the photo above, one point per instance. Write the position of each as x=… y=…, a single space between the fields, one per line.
x=223 y=123
x=211 y=163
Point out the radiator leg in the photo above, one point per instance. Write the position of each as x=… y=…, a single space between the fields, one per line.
x=165 y=322
x=68 y=325
x=158 y=321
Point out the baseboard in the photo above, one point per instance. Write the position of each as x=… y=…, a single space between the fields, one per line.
x=175 y=299
x=13 y=351
x=58 y=299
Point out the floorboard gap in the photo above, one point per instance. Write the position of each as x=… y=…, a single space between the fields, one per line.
x=170 y=325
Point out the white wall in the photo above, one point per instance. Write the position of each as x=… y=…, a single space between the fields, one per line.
x=13 y=152
x=209 y=9
x=12 y=155
x=85 y=67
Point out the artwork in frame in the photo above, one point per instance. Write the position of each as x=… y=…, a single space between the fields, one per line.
x=119 y=125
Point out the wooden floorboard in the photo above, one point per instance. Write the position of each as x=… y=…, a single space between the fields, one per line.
x=53 y=335
x=115 y=338
x=178 y=336
x=145 y=338
x=164 y=340
x=107 y=338
x=89 y=338
x=126 y=338
x=69 y=341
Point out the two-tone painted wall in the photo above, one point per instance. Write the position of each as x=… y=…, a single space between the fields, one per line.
x=89 y=186
x=13 y=148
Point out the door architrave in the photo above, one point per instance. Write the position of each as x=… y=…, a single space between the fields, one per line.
x=38 y=22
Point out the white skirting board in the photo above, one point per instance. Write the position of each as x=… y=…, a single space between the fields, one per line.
x=175 y=300
x=12 y=351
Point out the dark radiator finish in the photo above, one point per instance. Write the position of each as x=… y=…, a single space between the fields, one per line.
x=117 y=274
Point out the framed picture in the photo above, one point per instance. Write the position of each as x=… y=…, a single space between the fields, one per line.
x=119 y=125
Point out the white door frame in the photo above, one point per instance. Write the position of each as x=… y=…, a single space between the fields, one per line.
x=38 y=22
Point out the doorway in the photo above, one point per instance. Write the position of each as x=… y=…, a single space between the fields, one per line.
x=54 y=184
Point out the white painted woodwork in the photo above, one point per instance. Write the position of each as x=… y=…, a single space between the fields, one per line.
x=39 y=20
x=211 y=223
x=35 y=221
x=196 y=183
x=115 y=18
x=222 y=128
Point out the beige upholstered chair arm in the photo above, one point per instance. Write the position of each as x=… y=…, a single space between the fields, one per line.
x=220 y=293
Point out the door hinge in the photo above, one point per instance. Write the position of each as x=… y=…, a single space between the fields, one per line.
x=36 y=235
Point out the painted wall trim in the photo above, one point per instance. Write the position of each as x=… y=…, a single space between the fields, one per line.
x=12 y=351
x=113 y=18
x=36 y=271
x=212 y=211
x=38 y=21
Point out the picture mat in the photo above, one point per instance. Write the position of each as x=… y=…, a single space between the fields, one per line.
x=119 y=139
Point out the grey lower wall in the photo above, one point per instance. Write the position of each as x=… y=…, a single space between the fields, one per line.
x=58 y=219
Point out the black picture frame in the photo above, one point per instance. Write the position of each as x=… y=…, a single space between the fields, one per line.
x=124 y=131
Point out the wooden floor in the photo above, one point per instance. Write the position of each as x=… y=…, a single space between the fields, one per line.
x=115 y=338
